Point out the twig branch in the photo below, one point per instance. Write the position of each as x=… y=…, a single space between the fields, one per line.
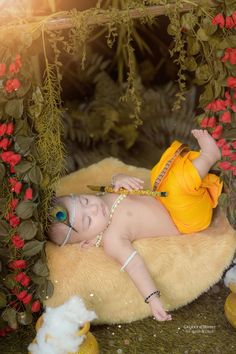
x=65 y=22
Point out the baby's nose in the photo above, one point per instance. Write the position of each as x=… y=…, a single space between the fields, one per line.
x=93 y=209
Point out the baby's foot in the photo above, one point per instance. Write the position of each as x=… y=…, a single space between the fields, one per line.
x=207 y=144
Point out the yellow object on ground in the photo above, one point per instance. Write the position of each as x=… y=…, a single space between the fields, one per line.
x=230 y=305
x=189 y=198
x=89 y=345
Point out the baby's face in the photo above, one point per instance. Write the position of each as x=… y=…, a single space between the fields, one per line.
x=91 y=217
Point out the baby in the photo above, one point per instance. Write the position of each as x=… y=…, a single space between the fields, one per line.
x=115 y=222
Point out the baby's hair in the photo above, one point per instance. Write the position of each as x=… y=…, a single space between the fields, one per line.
x=57 y=230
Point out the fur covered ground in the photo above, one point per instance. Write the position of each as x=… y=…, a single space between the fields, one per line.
x=198 y=328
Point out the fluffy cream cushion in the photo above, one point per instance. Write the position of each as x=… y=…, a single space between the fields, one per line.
x=183 y=266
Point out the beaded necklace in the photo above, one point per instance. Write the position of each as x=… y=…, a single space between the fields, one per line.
x=113 y=208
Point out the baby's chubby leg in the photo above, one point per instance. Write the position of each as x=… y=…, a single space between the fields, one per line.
x=209 y=153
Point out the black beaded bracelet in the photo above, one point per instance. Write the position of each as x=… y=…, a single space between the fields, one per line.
x=157 y=292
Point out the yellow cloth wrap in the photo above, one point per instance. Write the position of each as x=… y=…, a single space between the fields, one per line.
x=190 y=200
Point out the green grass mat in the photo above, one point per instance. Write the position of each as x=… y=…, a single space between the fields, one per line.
x=198 y=328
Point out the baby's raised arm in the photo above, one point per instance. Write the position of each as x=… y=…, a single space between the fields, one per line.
x=121 y=250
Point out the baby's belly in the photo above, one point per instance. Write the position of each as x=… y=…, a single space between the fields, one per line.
x=153 y=220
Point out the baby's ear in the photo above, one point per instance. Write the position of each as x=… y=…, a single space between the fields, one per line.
x=87 y=243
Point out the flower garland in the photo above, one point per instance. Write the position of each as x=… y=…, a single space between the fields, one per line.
x=220 y=114
x=18 y=295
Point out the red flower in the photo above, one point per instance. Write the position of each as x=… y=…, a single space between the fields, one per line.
x=2 y=69
x=219 y=20
x=10 y=157
x=28 y=194
x=4 y=143
x=16 y=185
x=14 y=221
x=3 y=128
x=229 y=22
x=226 y=117
x=204 y=122
x=230 y=55
x=225 y=152
x=25 y=281
x=10 y=128
x=232 y=156
x=234 y=144
x=234 y=170
x=13 y=69
x=233 y=107
x=17 y=241
x=216 y=106
x=217 y=132
x=225 y=165
x=14 y=159
x=211 y=122
x=5 y=156
x=225 y=146
x=18 y=264
x=35 y=306
x=14 y=203
x=27 y=299
x=21 y=295
x=220 y=142
x=226 y=55
x=12 y=85
x=231 y=82
x=20 y=276
x=234 y=17
x=12 y=170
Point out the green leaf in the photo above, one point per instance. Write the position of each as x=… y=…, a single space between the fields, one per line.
x=23 y=89
x=35 y=175
x=9 y=315
x=4 y=252
x=24 y=318
x=207 y=96
x=25 y=209
x=193 y=47
x=203 y=74
x=2 y=171
x=3 y=300
x=37 y=279
x=190 y=63
x=9 y=281
x=14 y=108
x=217 y=89
x=23 y=166
x=208 y=27
x=44 y=290
x=40 y=268
x=27 y=229
x=201 y=34
x=188 y=21
x=223 y=200
x=32 y=247
x=4 y=228
x=23 y=144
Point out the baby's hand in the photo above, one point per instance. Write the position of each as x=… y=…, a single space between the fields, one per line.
x=158 y=311
x=123 y=181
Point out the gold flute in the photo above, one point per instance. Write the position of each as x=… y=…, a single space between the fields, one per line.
x=109 y=189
